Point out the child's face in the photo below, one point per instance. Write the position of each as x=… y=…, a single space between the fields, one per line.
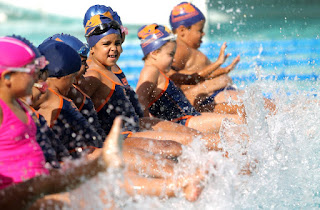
x=165 y=56
x=194 y=35
x=107 y=51
x=22 y=83
x=82 y=71
x=66 y=83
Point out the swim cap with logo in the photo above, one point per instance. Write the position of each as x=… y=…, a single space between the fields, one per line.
x=73 y=42
x=100 y=26
x=185 y=14
x=154 y=36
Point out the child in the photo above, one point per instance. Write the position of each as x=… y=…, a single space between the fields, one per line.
x=79 y=98
x=204 y=83
x=60 y=113
x=158 y=95
x=51 y=146
x=20 y=155
x=167 y=129
x=22 y=161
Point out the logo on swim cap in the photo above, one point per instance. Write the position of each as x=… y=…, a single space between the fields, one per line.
x=185 y=14
x=100 y=26
x=153 y=37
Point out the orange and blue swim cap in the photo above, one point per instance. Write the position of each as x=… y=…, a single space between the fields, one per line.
x=72 y=41
x=99 y=26
x=154 y=36
x=185 y=14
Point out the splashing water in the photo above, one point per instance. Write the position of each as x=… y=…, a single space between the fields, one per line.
x=281 y=150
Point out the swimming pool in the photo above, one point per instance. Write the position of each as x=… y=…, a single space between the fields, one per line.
x=279 y=59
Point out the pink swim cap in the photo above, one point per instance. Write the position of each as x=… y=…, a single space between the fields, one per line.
x=14 y=53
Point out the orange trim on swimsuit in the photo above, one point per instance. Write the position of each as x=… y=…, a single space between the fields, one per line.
x=119 y=71
x=112 y=89
x=37 y=113
x=127 y=132
x=59 y=109
x=162 y=92
x=84 y=96
x=184 y=117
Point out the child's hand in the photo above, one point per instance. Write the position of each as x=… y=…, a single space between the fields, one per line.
x=222 y=56
x=232 y=65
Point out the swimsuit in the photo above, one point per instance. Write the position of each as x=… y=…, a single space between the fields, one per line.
x=210 y=99
x=89 y=112
x=131 y=94
x=171 y=104
x=54 y=151
x=21 y=157
x=116 y=104
x=73 y=129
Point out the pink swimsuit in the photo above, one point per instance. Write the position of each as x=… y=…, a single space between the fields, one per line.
x=21 y=157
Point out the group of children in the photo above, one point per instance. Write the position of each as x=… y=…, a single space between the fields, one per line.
x=61 y=100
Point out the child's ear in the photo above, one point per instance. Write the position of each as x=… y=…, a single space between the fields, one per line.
x=6 y=75
x=180 y=31
x=153 y=54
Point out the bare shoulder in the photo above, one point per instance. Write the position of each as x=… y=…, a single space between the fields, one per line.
x=149 y=72
x=92 y=73
x=181 y=57
x=197 y=59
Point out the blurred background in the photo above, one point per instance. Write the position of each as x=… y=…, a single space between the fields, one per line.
x=277 y=40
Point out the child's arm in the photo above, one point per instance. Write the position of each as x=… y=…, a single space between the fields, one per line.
x=146 y=85
x=212 y=67
x=19 y=196
x=193 y=76
x=225 y=70
x=90 y=83
x=181 y=78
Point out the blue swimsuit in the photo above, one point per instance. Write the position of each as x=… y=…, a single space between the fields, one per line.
x=131 y=94
x=117 y=104
x=73 y=129
x=172 y=104
x=50 y=144
x=89 y=112
x=210 y=99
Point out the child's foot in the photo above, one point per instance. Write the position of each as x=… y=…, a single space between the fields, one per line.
x=192 y=191
x=111 y=151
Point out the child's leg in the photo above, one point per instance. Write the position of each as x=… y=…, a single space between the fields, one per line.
x=210 y=122
x=163 y=188
x=210 y=140
x=147 y=163
x=156 y=124
x=53 y=201
x=197 y=93
x=167 y=148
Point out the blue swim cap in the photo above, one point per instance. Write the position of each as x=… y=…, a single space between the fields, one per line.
x=100 y=26
x=153 y=37
x=63 y=59
x=101 y=10
x=73 y=42
x=185 y=14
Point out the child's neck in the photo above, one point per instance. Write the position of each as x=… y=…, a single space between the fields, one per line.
x=100 y=65
x=7 y=97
